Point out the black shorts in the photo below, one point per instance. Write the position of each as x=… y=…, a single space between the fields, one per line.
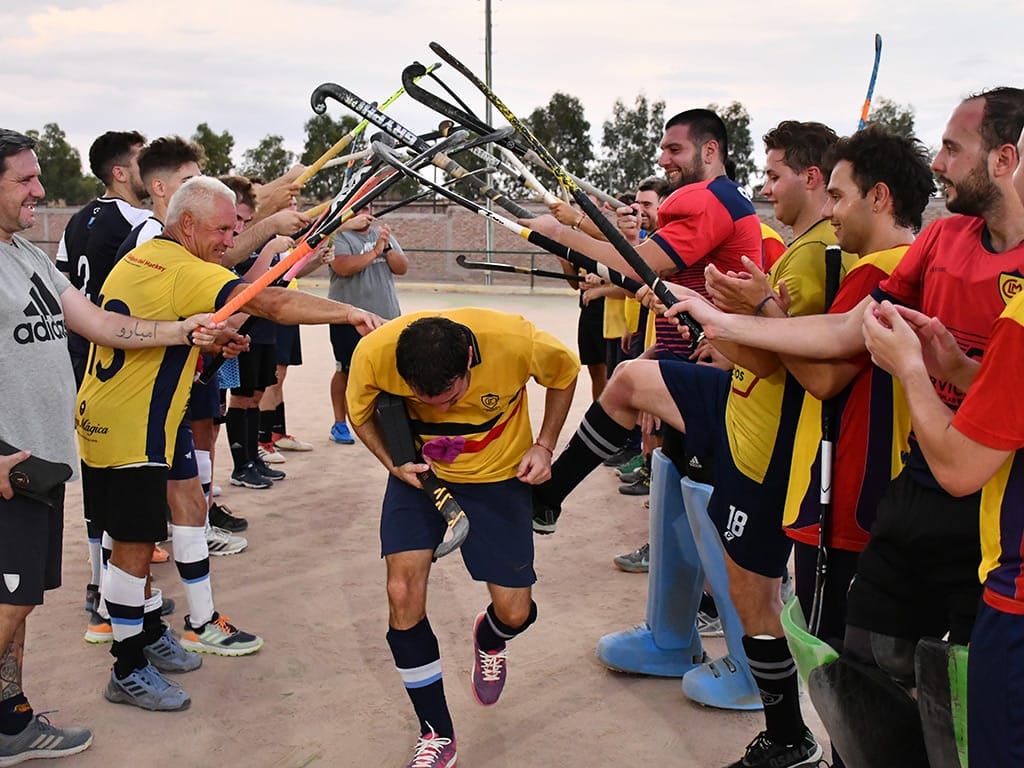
x=31 y=541
x=204 y=401
x=499 y=547
x=130 y=503
x=257 y=369
x=918 y=575
x=343 y=341
x=289 y=345
x=590 y=333
x=746 y=513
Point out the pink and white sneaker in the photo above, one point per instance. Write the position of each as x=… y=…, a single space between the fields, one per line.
x=490 y=669
x=433 y=751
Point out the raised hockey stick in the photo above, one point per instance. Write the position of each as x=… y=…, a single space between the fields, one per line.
x=608 y=229
x=463 y=262
x=865 y=110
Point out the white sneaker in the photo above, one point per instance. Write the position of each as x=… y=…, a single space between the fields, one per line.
x=221 y=542
x=216 y=491
x=289 y=443
x=270 y=455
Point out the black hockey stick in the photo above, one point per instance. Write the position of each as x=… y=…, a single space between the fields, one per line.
x=463 y=262
x=576 y=258
x=407 y=137
x=608 y=229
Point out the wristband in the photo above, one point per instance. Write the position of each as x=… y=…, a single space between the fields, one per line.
x=760 y=307
x=541 y=445
x=579 y=221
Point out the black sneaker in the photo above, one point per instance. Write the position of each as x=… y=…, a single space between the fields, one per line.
x=641 y=486
x=545 y=516
x=92 y=597
x=620 y=457
x=221 y=517
x=265 y=471
x=762 y=752
x=250 y=477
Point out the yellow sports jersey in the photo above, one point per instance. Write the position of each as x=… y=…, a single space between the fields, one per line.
x=132 y=401
x=511 y=351
x=757 y=406
x=631 y=312
x=614 y=317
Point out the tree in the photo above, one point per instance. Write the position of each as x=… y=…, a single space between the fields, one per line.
x=218 y=147
x=322 y=133
x=741 y=145
x=896 y=118
x=562 y=128
x=61 y=166
x=268 y=159
x=630 y=145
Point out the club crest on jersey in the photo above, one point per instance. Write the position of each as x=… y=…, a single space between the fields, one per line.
x=1010 y=284
x=490 y=401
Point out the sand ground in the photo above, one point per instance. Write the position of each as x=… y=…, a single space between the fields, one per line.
x=323 y=691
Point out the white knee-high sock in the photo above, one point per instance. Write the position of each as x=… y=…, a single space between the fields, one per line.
x=192 y=557
x=124 y=597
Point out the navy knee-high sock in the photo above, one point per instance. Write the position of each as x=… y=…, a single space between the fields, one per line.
x=418 y=660
x=493 y=633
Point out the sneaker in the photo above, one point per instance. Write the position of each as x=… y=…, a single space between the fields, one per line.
x=92 y=597
x=708 y=625
x=219 y=636
x=637 y=561
x=167 y=606
x=639 y=487
x=341 y=434
x=167 y=655
x=250 y=477
x=289 y=443
x=266 y=472
x=490 y=668
x=433 y=751
x=620 y=457
x=216 y=491
x=99 y=630
x=41 y=739
x=220 y=542
x=148 y=689
x=629 y=468
x=787 y=589
x=269 y=454
x=545 y=516
x=762 y=751
x=222 y=517
x=160 y=555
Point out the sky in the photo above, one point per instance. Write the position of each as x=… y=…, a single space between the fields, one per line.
x=249 y=67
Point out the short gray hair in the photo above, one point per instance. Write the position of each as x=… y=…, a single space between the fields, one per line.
x=11 y=143
x=196 y=196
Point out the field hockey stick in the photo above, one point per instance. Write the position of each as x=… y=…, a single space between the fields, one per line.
x=360 y=155
x=418 y=196
x=608 y=229
x=871 y=83
x=329 y=222
x=410 y=139
x=530 y=181
x=347 y=139
x=575 y=258
x=829 y=412
x=463 y=262
x=212 y=365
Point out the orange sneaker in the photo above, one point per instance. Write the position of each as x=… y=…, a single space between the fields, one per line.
x=160 y=555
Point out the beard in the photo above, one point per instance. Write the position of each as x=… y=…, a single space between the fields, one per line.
x=690 y=174
x=975 y=195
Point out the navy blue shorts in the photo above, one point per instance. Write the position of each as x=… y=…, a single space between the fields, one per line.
x=499 y=547
x=183 y=465
x=289 y=345
x=31 y=542
x=995 y=678
x=747 y=514
x=204 y=401
x=343 y=341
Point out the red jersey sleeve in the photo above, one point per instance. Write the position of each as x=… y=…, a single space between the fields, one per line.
x=696 y=223
x=905 y=284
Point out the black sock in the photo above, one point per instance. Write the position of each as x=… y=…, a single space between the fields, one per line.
x=266 y=425
x=15 y=715
x=707 y=605
x=775 y=673
x=279 y=426
x=493 y=633
x=152 y=626
x=237 y=427
x=418 y=659
x=252 y=432
x=596 y=438
x=128 y=655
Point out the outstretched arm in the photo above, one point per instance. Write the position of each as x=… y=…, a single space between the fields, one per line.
x=535 y=467
x=110 y=329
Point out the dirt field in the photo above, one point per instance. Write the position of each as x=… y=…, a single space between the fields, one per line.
x=323 y=691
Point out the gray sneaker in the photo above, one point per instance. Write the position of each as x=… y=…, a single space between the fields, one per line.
x=148 y=689
x=709 y=626
x=167 y=655
x=42 y=739
x=637 y=561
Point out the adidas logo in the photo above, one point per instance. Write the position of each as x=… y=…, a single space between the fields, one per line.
x=695 y=463
x=47 y=308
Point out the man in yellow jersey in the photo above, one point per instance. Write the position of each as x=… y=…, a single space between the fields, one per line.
x=131 y=406
x=462 y=374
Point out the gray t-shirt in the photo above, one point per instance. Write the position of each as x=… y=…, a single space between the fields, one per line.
x=372 y=288
x=37 y=385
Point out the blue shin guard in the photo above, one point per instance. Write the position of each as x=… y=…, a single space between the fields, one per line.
x=667 y=645
x=726 y=682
